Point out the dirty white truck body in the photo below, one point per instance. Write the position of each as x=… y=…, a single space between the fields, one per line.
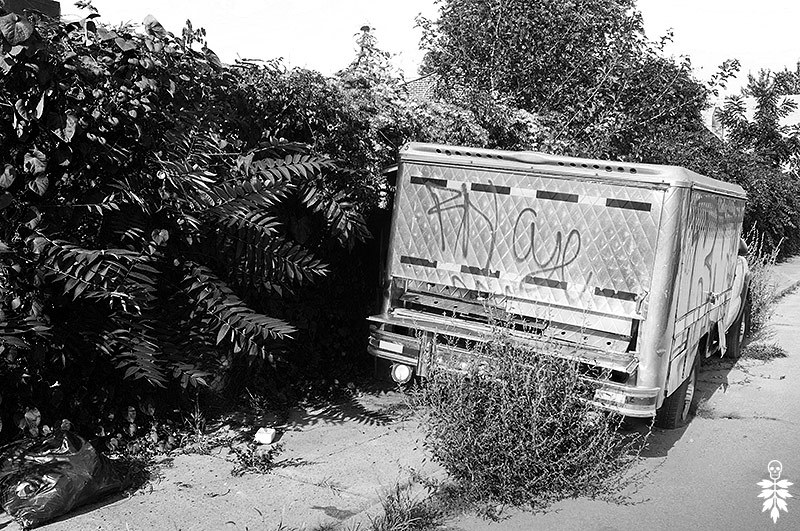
x=625 y=267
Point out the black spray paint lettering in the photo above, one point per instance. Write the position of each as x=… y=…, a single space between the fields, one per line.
x=524 y=246
x=460 y=202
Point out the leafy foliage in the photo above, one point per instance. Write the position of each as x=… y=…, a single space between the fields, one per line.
x=585 y=71
x=766 y=153
x=146 y=224
x=365 y=113
x=527 y=52
x=764 y=137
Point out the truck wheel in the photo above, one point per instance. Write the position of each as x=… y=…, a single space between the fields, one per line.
x=678 y=407
x=748 y=315
x=740 y=328
x=734 y=337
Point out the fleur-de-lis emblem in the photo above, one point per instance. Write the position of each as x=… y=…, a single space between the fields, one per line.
x=775 y=491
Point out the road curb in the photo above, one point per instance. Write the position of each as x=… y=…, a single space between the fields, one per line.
x=786 y=290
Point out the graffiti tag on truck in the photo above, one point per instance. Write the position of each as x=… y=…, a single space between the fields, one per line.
x=545 y=253
x=459 y=202
x=713 y=232
x=563 y=252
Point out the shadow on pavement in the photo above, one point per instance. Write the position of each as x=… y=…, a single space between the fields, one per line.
x=377 y=405
x=714 y=374
x=661 y=442
x=345 y=410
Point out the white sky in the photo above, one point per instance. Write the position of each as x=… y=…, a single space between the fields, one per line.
x=760 y=33
x=319 y=34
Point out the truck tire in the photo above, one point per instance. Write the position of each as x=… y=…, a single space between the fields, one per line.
x=748 y=314
x=678 y=407
x=740 y=328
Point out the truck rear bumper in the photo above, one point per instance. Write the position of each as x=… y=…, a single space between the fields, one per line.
x=421 y=323
x=627 y=400
x=410 y=346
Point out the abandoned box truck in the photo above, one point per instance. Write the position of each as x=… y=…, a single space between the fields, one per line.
x=632 y=269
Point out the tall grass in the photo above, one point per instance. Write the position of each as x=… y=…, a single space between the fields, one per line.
x=762 y=286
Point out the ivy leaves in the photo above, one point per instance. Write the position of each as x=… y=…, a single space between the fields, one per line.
x=154 y=28
x=35 y=165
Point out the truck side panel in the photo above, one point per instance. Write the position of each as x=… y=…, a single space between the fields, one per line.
x=657 y=330
x=710 y=243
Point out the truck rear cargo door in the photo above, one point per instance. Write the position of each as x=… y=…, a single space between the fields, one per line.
x=574 y=250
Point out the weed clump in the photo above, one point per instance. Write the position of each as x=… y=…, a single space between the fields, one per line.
x=255 y=459
x=763 y=351
x=403 y=512
x=516 y=428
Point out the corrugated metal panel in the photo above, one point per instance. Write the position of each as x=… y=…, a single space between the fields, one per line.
x=711 y=240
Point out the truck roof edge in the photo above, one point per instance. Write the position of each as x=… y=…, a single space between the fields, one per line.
x=556 y=164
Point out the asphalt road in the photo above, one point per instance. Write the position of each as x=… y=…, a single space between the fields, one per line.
x=706 y=475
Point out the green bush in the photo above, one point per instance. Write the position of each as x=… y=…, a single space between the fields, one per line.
x=147 y=229
x=516 y=428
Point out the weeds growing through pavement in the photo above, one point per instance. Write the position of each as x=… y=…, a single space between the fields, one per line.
x=763 y=351
x=516 y=428
x=255 y=459
x=404 y=512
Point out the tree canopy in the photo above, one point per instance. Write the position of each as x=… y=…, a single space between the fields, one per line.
x=584 y=66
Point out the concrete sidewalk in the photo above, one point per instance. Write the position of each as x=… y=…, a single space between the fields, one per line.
x=786 y=276
x=338 y=461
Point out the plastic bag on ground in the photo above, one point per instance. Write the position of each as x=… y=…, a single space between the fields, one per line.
x=42 y=479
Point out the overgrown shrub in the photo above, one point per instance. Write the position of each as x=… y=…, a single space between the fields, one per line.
x=146 y=227
x=762 y=286
x=516 y=428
